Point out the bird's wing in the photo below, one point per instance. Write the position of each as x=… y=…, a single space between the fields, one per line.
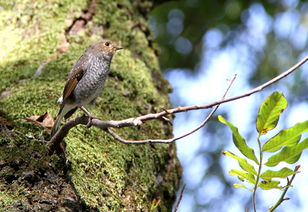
x=75 y=76
x=72 y=82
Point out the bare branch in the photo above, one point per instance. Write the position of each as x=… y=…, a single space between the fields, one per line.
x=135 y=121
x=289 y=183
x=151 y=116
x=180 y=198
x=117 y=137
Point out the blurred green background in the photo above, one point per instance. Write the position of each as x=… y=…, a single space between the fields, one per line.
x=203 y=44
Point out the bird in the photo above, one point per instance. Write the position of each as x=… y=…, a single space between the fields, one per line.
x=86 y=80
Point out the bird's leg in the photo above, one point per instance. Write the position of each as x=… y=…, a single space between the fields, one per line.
x=88 y=114
x=85 y=110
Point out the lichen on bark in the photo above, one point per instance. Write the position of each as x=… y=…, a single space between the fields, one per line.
x=98 y=173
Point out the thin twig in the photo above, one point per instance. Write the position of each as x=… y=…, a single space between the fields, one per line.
x=180 y=199
x=135 y=121
x=117 y=137
x=289 y=183
x=254 y=203
x=196 y=107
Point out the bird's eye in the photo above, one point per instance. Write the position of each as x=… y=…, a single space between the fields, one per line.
x=107 y=44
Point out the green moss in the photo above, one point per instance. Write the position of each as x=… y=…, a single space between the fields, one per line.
x=26 y=24
x=8 y=198
x=106 y=174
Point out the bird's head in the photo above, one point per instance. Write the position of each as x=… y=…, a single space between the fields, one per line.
x=104 y=48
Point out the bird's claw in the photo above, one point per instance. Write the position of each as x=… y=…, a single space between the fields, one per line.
x=89 y=124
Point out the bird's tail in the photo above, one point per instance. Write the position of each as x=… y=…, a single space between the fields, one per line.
x=63 y=111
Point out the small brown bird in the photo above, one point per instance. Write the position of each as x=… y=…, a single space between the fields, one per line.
x=86 y=79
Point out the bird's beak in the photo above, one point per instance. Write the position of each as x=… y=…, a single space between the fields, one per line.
x=119 y=47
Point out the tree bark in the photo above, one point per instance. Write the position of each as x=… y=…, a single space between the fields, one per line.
x=41 y=41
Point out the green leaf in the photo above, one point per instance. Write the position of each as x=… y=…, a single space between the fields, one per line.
x=241 y=186
x=287 y=137
x=270 y=184
x=270 y=111
x=155 y=204
x=294 y=159
x=242 y=162
x=239 y=141
x=282 y=173
x=243 y=175
x=288 y=154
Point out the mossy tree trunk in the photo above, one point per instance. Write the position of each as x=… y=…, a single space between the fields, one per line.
x=40 y=41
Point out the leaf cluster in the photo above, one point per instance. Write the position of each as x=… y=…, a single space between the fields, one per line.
x=286 y=146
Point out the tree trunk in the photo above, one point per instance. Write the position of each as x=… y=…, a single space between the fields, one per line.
x=40 y=41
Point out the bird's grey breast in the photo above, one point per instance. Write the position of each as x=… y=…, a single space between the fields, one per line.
x=91 y=84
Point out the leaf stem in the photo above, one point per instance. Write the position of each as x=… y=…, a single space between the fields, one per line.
x=258 y=176
x=281 y=199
